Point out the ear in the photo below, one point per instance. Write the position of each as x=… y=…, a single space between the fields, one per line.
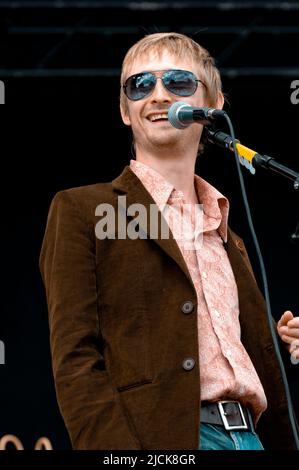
x=125 y=116
x=220 y=100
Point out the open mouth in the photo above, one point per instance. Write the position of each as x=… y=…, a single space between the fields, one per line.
x=162 y=117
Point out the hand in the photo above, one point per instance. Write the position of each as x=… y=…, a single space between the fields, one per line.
x=288 y=330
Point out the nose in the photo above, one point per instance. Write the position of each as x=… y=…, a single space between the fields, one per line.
x=160 y=94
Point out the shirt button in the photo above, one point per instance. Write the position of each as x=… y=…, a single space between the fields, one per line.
x=217 y=313
x=187 y=307
x=228 y=352
x=204 y=275
x=188 y=364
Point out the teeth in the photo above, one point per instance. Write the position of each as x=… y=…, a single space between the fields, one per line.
x=154 y=117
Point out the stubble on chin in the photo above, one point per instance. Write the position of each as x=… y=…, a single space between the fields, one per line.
x=165 y=140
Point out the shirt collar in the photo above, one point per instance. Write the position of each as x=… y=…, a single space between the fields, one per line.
x=215 y=206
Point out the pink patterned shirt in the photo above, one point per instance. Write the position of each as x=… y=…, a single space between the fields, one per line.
x=226 y=369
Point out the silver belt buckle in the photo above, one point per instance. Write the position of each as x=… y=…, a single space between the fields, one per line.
x=227 y=426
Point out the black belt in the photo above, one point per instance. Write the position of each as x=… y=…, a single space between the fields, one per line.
x=230 y=414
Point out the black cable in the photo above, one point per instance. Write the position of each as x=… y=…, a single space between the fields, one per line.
x=265 y=283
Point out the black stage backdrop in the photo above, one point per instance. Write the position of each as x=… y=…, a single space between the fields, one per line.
x=66 y=131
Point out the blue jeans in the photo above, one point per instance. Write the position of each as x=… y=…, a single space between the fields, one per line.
x=214 y=437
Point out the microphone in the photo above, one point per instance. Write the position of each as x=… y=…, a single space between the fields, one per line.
x=182 y=115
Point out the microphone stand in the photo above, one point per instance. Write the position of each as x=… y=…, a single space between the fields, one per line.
x=253 y=160
x=269 y=163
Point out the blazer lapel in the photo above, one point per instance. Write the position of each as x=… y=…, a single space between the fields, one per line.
x=251 y=302
x=129 y=184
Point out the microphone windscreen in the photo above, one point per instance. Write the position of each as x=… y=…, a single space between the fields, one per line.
x=173 y=114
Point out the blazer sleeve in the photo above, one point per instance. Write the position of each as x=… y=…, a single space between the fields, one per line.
x=88 y=401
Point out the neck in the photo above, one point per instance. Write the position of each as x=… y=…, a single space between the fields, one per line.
x=176 y=168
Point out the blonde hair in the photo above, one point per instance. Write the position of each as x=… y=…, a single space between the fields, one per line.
x=179 y=46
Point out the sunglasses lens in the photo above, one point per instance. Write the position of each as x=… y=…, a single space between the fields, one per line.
x=180 y=82
x=140 y=85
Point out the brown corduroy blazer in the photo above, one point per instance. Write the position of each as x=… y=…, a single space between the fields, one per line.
x=119 y=336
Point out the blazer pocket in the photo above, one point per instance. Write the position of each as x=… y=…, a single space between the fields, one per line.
x=134 y=385
x=127 y=350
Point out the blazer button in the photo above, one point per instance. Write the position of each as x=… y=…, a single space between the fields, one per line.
x=188 y=364
x=187 y=307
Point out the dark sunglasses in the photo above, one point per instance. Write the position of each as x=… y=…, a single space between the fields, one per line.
x=178 y=82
